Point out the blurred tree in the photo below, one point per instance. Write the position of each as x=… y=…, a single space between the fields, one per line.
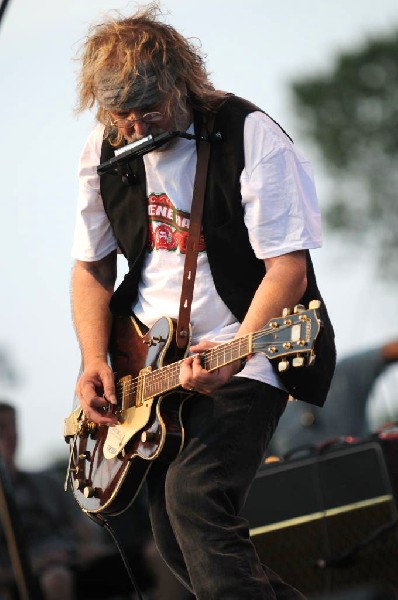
x=351 y=113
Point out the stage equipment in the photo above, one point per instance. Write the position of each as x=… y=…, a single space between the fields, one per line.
x=327 y=520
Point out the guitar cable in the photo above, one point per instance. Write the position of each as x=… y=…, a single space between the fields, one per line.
x=100 y=520
x=349 y=555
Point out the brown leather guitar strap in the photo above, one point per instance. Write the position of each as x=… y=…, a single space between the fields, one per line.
x=195 y=225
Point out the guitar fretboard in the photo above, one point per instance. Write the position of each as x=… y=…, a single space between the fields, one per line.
x=153 y=383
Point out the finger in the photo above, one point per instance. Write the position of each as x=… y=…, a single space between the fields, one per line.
x=202 y=346
x=197 y=366
x=97 y=410
x=89 y=392
x=95 y=407
x=108 y=383
x=105 y=386
x=186 y=376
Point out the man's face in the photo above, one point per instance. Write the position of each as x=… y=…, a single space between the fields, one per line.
x=8 y=435
x=137 y=123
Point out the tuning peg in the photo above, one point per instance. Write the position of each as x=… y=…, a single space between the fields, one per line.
x=298 y=308
x=298 y=361
x=314 y=304
x=286 y=311
x=283 y=365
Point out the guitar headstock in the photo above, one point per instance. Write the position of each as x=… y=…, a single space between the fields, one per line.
x=291 y=337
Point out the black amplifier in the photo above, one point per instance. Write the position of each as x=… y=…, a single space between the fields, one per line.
x=327 y=520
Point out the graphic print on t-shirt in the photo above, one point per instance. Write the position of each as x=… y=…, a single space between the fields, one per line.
x=168 y=225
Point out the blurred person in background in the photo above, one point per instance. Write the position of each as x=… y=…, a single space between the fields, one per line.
x=382 y=404
x=346 y=412
x=57 y=537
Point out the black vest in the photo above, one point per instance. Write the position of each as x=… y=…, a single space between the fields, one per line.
x=235 y=269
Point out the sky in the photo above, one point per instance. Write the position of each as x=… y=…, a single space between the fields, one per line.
x=254 y=49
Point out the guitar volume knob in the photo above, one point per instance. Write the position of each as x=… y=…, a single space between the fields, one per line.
x=79 y=484
x=90 y=492
x=148 y=436
x=87 y=428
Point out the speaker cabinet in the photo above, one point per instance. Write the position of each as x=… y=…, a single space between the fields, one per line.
x=328 y=521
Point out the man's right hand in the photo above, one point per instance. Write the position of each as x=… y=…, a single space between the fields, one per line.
x=96 y=391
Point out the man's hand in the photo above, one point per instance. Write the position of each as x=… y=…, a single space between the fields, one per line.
x=96 y=392
x=194 y=377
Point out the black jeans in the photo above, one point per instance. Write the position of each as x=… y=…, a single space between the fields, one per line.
x=195 y=501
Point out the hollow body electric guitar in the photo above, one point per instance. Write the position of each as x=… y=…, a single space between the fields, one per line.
x=108 y=465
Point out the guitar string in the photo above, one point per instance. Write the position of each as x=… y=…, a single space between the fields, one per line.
x=174 y=368
x=171 y=371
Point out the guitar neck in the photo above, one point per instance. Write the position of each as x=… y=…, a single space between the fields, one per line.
x=292 y=335
x=287 y=340
x=167 y=378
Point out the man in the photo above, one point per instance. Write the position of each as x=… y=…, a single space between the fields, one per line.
x=260 y=217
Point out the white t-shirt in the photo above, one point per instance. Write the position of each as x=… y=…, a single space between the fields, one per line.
x=281 y=214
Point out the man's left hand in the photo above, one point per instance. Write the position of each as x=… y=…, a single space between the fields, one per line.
x=194 y=377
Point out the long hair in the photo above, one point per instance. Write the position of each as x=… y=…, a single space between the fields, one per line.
x=119 y=46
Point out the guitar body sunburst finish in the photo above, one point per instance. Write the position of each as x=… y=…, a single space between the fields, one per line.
x=109 y=485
